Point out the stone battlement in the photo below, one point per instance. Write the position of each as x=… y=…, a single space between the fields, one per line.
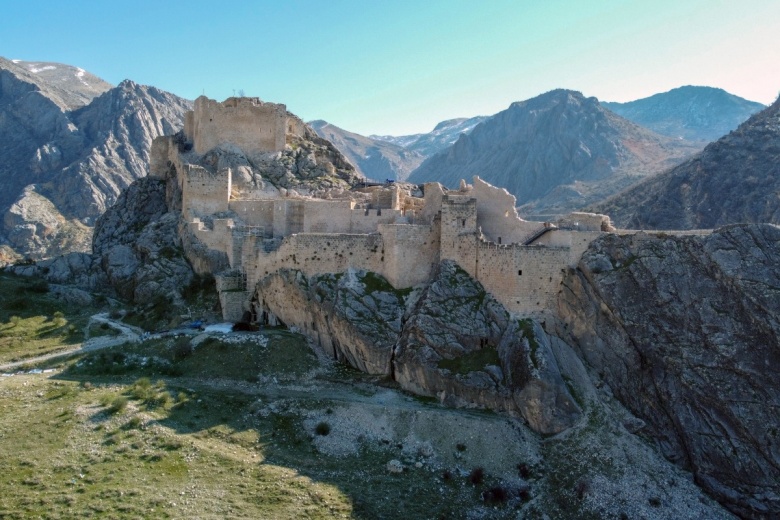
x=252 y=125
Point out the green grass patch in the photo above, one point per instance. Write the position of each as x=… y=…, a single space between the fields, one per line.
x=527 y=327
x=286 y=356
x=471 y=362
x=377 y=283
x=34 y=322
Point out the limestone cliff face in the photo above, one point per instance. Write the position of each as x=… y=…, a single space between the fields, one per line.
x=70 y=145
x=449 y=340
x=685 y=331
x=350 y=322
x=459 y=344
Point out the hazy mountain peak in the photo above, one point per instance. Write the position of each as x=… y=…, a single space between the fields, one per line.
x=691 y=112
x=373 y=158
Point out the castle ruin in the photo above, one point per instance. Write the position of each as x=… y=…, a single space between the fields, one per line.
x=401 y=232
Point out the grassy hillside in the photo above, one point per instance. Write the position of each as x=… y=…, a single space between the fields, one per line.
x=34 y=321
x=162 y=429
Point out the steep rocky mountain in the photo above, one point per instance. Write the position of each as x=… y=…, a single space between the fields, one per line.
x=375 y=159
x=735 y=179
x=68 y=154
x=692 y=113
x=684 y=331
x=555 y=153
x=442 y=136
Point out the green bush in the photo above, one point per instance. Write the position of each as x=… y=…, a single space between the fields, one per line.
x=142 y=389
x=182 y=348
x=322 y=428
x=39 y=287
x=118 y=404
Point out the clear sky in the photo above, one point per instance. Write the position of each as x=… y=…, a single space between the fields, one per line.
x=401 y=66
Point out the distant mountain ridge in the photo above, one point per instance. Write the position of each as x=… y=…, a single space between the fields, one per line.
x=381 y=157
x=689 y=112
x=555 y=152
x=735 y=179
x=378 y=160
x=71 y=144
x=442 y=136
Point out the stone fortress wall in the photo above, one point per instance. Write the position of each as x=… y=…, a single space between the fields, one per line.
x=247 y=123
x=394 y=234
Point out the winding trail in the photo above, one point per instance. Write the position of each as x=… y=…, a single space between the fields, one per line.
x=126 y=333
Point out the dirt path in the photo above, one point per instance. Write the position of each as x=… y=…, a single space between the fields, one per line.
x=126 y=334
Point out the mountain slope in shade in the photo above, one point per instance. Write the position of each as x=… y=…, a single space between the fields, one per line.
x=556 y=152
x=693 y=113
x=63 y=163
x=733 y=180
x=442 y=136
x=376 y=160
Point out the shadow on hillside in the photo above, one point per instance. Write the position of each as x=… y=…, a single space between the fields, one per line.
x=236 y=411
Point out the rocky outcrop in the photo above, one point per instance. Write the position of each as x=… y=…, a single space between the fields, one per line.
x=692 y=113
x=137 y=244
x=71 y=145
x=733 y=180
x=555 y=153
x=459 y=344
x=449 y=340
x=685 y=332
x=350 y=321
x=137 y=254
x=309 y=163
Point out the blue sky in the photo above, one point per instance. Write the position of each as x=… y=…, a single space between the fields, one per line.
x=401 y=66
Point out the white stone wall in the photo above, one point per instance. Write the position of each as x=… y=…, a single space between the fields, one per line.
x=249 y=124
x=410 y=253
x=204 y=193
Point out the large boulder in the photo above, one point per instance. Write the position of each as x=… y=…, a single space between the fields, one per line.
x=461 y=345
x=449 y=339
x=354 y=317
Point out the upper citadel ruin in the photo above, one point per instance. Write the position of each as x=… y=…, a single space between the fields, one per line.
x=399 y=231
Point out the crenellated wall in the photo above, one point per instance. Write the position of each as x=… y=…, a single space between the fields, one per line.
x=389 y=232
